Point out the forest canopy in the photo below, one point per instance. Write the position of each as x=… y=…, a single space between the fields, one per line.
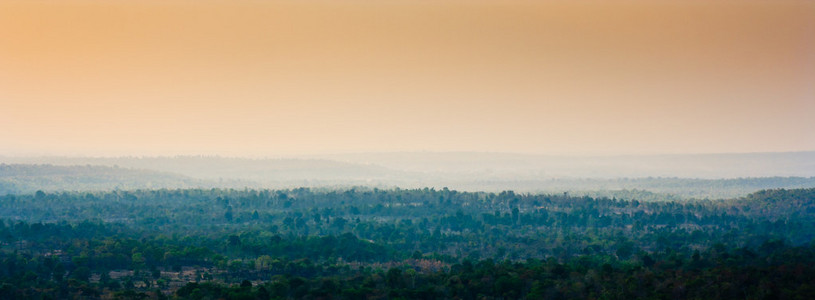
x=410 y=243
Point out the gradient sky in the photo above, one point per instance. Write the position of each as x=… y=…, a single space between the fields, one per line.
x=270 y=78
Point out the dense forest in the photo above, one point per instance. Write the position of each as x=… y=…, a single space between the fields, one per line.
x=367 y=243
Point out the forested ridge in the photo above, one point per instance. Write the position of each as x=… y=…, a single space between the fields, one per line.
x=366 y=243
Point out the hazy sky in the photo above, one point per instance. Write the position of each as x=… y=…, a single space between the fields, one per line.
x=269 y=78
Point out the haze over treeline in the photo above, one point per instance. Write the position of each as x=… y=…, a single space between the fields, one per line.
x=670 y=176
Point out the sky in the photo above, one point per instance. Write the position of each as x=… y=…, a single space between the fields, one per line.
x=278 y=78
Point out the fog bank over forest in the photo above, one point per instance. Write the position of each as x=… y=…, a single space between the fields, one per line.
x=517 y=166
x=662 y=177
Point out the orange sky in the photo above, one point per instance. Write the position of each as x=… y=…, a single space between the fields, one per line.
x=269 y=78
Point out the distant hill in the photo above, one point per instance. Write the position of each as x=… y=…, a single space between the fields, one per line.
x=525 y=166
x=25 y=179
x=649 y=188
x=655 y=177
x=268 y=171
